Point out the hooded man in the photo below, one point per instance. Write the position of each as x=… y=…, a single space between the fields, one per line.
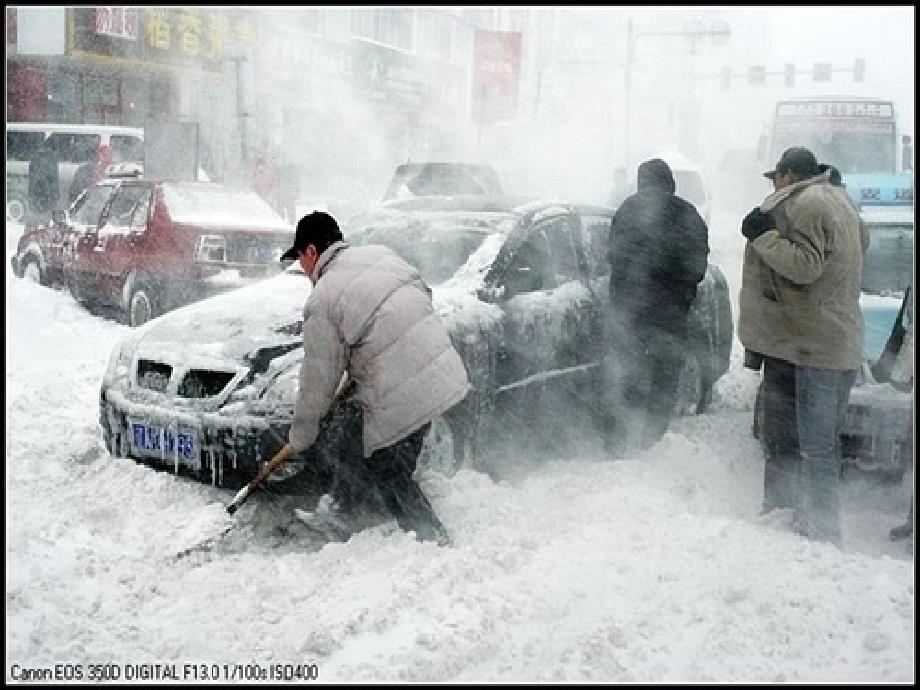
x=658 y=249
x=799 y=310
x=370 y=315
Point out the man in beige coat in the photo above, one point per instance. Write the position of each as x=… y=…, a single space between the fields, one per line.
x=800 y=310
x=370 y=315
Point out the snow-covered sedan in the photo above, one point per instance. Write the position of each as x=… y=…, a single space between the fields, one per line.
x=210 y=388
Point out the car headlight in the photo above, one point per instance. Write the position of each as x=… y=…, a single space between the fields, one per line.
x=119 y=367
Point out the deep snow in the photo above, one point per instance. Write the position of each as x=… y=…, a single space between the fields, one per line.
x=653 y=569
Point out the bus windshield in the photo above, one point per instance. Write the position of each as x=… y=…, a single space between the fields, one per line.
x=856 y=136
x=850 y=152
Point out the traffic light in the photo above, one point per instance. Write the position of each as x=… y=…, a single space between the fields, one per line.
x=859 y=70
x=757 y=74
x=790 y=74
x=822 y=71
x=726 y=78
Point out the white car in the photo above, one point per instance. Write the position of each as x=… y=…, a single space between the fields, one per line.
x=691 y=184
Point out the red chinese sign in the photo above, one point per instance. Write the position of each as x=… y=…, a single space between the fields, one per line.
x=496 y=73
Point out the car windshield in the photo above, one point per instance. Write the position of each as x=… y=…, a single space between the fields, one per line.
x=436 y=247
x=207 y=203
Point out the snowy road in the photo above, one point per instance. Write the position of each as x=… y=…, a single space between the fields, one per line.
x=655 y=569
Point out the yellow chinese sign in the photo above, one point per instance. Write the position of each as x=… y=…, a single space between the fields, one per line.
x=176 y=36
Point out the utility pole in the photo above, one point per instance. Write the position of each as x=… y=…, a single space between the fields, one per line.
x=718 y=33
x=241 y=114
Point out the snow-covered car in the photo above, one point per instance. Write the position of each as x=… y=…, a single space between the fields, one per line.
x=689 y=181
x=209 y=389
x=442 y=179
x=145 y=247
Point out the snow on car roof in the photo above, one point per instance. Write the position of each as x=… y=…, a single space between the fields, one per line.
x=213 y=204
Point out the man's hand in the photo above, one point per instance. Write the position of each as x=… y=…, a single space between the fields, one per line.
x=755 y=224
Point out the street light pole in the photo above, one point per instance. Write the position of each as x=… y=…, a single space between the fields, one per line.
x=241 y=113
x=627 y=88
x=722 y=32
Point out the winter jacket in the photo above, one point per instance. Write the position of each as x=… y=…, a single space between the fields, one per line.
x=44 y=178
x=658 y=253
x=801 y=280
x=371 y=313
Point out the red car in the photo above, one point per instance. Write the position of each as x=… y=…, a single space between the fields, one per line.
x=146 y=247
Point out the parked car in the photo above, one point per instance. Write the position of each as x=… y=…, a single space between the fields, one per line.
x=442 y=179
x=878 y=432
x=145 y=247
x=209 y=390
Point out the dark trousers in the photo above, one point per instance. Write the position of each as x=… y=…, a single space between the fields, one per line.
x=383 y=484
x=779 y=434
x=804 y=412
x=640 y=377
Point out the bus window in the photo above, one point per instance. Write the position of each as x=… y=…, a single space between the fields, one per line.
x=21 y=146
x=74 y=148
x=127 y=148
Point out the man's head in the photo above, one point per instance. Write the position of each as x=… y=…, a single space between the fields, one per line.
x=315 y=233
x=656 y=174
x=796 y=163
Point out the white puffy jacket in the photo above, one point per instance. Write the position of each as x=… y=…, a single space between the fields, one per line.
x=370 y=313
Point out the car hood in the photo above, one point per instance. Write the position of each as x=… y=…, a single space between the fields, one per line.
x=231 y=329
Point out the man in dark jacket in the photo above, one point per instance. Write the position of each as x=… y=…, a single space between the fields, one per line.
x=43 y=182
x=658 y=254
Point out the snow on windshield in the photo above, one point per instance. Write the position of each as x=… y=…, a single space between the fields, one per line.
x=437 y=244
x=217 y=205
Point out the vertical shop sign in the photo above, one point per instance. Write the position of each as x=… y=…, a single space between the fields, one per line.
x=496 y=74
x=119 y=22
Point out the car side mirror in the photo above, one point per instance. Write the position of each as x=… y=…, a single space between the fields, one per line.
x=59 y=217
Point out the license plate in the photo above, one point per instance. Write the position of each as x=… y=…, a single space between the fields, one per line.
x=156 y=441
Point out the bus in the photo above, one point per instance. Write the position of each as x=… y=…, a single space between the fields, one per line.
x=73 y=144
x=858 y=135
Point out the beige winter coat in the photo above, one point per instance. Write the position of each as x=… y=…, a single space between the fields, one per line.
x=370 y=312
x=801 y=281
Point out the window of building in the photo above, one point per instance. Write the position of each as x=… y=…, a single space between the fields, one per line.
x=392 y=27
x=102 y=100
x=63 y=97
x=395 y=28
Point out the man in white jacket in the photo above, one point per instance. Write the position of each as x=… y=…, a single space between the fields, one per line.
x=370 y=315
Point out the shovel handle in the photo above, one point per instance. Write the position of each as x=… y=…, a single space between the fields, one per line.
x=281 y=457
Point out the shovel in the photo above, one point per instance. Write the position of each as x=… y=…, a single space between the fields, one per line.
x=287 y=450
x=281 y=457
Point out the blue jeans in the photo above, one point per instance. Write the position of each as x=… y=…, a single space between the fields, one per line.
x=821 y=399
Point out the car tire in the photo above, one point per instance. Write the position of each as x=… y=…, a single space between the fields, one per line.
x=438 y=452
x=140 y=305
x=31 y=270
x=17 y=208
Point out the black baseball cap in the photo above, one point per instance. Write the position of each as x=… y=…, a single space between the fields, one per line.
x=317 y=228
x=797 y=159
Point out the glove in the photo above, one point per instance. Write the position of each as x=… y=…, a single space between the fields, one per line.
x=755 y=224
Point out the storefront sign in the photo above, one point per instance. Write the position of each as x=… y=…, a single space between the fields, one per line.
x=177 y=36
x=120 y=22
x=389 y=75
x=496 y=73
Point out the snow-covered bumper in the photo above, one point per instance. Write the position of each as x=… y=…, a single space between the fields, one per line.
x=878 y=433
x=226 y=451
